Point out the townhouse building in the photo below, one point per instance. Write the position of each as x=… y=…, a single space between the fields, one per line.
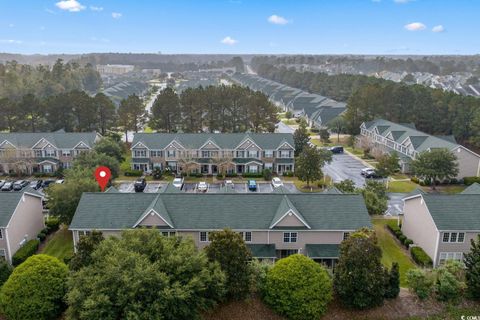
x=273 y=225
x=39 y=152
x=382 y=136
x=443 y=225
x=214 y=153
x=21 y=219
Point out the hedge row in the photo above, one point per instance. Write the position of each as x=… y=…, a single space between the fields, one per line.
x=51 y=225
x=420 y=257
x=395 y=229
x=133 y=173
x=24 y=252
x=471 y=180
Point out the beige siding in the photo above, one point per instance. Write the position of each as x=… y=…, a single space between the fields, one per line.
x=26 y=222
x=468 y=163
x=152 y=220
x=3 y=243
x=456 y=247
x=290 y=221
x=419 y=226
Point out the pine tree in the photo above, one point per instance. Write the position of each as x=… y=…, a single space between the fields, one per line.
x=392 y=288
x=472 y=264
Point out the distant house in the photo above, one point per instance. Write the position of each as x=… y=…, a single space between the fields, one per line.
x=441 y=224
x=21 y=219
x=214 y=153
x=383 y=136
x=273 y=225
x=30 y=153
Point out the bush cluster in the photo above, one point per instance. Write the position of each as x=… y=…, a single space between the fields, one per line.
x=397 y=232
x=133 y=173
x=24 y=252
x=421 y=257
x=52 y=224
x=288 y=174
x=471 y=180
x=252 y=175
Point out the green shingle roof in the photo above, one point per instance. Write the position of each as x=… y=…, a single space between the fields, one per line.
x=217 y=211
x=223 y=140
x=284 y=207
x=454 y=212
x=323 y=250
x=472 y=189
x=61 y=140
x=262 y=250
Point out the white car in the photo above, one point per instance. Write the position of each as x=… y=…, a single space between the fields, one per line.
x=60 y=181
x=229 y=183
x=202 y=186
x=178 y=182
x=366 y=172
x=276 y=182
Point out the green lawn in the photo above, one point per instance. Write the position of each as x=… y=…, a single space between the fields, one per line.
x=289 y=121
x=401 y=186
x=392 y=252
x=60 y=245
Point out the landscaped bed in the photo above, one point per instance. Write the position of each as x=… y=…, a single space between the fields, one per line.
x=60 y=245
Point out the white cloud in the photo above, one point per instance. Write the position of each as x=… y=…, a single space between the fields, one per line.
x=70 y=5
x=438 y=28
x=10 y=41
x=229 y=41
x=415 y=26
x=11 y=25
x=277 y=20
x=94 y=8
x=116 y=15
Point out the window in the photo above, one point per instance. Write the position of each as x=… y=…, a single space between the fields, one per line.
x=268 y=153
x=247 y=236
x=168 y=233
x=203 y=236
x=453 y=237
x=253 y=154
x=66 y=165
x=205 y=154
x=38 y=153
x=3 y=254
x=253 y=169
x=240 y=154
x=47 y=168
x=289 y=237
x=66 y=153
x=170 y=153
x=155 y=153
x=141 y=153
x=346 y=235
x=444 y=256
x=50 y=153
x=1 y=234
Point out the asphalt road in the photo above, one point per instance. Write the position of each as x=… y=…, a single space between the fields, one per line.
x=343 y=167
x=283 y=128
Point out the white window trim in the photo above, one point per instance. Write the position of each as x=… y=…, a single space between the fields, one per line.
x=200 y=236
x=450 y=237
x=290 y=237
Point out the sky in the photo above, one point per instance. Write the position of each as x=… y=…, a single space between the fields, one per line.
x=241 y=26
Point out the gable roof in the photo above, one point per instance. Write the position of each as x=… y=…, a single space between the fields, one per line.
x=286 y=208
x=9 y=202
x=60 y=140
x=472 y=189
x=213 y=211
x=454 y=212
x=223 y=140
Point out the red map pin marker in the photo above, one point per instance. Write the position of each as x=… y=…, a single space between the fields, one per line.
x=102 y=175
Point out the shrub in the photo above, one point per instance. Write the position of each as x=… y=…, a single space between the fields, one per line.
x=133 y=173
x=260 y=270
x=41 y=236
x=415 y=180
x=157 y=173
x=220 y=176
x=52 y=224
x=298 y=288
x=447 y=287
x=392 y=288
x=407 y=243
x=472 y=269
x=421 y=257
x=35 y=290
x=288 y=174
x=394 y=228
x=231 y=175
x=402 y=238
x=252 y=175
x=24 y=252
x=471 y=180
x=5 y=271
x=398 y=233
x=267 y=174
x=420 y=283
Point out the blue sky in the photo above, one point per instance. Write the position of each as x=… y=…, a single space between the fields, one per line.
x=241 y=26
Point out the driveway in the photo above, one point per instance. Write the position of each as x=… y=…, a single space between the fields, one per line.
x=283 y=128
x=395 y=203
x=343 y=167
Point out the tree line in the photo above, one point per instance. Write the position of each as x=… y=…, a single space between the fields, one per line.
x=213 y=108
x=433 y=111
x=18 y=80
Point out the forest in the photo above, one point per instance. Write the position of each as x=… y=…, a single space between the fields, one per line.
x=433 y=111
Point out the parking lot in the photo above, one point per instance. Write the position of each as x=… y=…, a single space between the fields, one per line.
x=191 y=187
x=345 y=166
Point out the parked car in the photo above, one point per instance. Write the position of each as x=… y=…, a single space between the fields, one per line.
x=252 y=185
x=202 y=186
x=367 y=171
x=8 y=186
x=276 y=182
x=60 y=181
x=178 y=182
x=19 y=185
x=336 y=149
x=229 y=184
x=37 y=184
x=2 y=182
x=46 y=183
x=140 y=185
